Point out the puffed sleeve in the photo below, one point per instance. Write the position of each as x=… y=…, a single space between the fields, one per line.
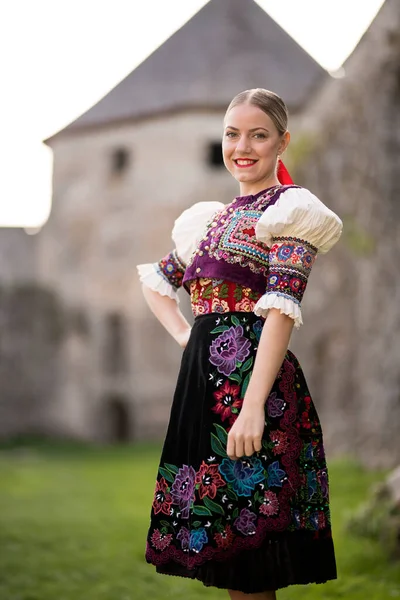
x=295 y=228
x=166 y=275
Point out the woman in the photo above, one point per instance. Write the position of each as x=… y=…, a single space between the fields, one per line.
x=241 y=499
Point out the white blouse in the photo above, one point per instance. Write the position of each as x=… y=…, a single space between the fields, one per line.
x=296 y=214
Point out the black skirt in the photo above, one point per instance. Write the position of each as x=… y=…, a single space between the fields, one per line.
x=254 y=524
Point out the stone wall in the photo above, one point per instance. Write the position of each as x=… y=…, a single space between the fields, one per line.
x=348 y=155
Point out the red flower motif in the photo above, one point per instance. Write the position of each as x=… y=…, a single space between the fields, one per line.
x=225 y=538
x=209 y=480
x=280 y=441
x=305 y=420
x=162 y=500
x=160 y=540
x=270 y=504
x=227 y=399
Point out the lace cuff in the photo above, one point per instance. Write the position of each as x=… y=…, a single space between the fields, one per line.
x=151 y=275
x=284 y=303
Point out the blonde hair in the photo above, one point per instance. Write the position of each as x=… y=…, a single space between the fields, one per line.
x=267 y=101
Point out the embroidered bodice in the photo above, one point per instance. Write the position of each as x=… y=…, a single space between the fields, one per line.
x=260 y=247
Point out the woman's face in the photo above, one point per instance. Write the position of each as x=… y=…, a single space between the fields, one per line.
x=250 y=147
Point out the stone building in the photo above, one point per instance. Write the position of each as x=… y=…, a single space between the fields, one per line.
x=122 y=172
x=126 y=168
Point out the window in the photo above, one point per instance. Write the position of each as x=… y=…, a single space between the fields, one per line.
x=215 y=155
x=118 y=419
x=119 y=160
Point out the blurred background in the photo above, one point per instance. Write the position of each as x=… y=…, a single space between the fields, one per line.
x=111 y=125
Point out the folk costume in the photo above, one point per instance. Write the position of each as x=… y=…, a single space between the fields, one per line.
x=261 y=522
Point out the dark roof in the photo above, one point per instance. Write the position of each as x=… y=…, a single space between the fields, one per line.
x=228 y=46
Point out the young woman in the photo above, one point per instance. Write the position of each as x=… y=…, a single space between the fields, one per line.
x=242 y=499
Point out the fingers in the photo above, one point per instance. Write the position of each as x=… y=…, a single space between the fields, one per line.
x=257 y=443
x=230 y=447
x=248 y=447
x=238 y=447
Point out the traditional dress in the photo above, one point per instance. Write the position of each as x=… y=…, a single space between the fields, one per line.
x=261 y=522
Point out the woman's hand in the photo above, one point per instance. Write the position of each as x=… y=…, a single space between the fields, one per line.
x=246 y=434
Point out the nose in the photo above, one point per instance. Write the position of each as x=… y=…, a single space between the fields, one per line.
x=243 y=145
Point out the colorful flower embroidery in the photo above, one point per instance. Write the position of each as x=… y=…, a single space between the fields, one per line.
x=275 y=405
x=160 y=540
x=270 y=504
x=198 y=538
x=280 y=441
x=228 y=402
x=243 y=474
x=182 y=490
x=208 y=480
x=225 y=538
x=229 y=349
x=246 y=522
x=184 y=537
x=220 y=296
x=220 y=506
x=172 y=269
x=162 y=499
x=290 y=262
x=245 y=305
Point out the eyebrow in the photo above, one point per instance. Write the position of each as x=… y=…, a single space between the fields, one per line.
x=254 y=128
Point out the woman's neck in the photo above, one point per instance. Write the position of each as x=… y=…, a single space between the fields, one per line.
x=251 y=189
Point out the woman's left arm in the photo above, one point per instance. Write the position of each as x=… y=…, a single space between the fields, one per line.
x=245 y=437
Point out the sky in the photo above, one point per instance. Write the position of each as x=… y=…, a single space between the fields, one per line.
x=59 y=57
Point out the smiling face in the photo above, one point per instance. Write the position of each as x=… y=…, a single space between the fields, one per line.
x=250 y=147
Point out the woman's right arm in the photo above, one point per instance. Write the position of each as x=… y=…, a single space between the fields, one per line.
x=167 y=311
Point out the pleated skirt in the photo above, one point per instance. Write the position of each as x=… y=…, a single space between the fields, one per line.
x=257 y=523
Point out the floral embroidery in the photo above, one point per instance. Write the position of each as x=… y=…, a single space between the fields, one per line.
x=184 y=537
x=290 y=263
x=230 y=348
x=270 y=504
x=198 y=538
x=218 y=506
x=182 y=490
x=243 y=474
x=228 y=402
x=172 y=269
x=225 y=538
x=160 y=540
x=220 y=296
x=275 y=405
x=245 y=523
x=280 y=441
x=162 y=499
x=208 y=480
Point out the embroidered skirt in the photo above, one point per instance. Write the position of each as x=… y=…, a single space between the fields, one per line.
x=254 y=524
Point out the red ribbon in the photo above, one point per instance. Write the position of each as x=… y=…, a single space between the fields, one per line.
x=283 y=174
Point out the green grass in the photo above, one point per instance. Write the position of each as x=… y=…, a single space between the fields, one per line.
x=73 y=522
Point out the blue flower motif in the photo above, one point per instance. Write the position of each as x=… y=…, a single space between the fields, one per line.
x=243 y=474
x=275 y=475
x=273 y=279
x=198 y=537
x=170 y=267
x=285 y=252
x=257 y=328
